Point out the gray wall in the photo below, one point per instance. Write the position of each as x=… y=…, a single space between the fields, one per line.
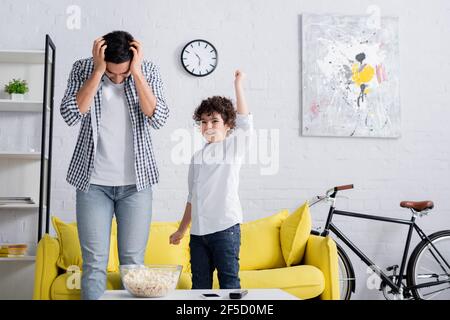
x=262 y=38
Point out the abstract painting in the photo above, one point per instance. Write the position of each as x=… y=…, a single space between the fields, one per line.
x=350 y=76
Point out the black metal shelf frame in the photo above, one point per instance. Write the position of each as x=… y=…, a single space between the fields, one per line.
x=45 y=171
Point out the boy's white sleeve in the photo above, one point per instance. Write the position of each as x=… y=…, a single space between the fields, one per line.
x=244 y=122
x=243 y=133
x=190 y=180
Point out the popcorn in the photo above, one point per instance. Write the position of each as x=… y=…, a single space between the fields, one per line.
x=142 y=281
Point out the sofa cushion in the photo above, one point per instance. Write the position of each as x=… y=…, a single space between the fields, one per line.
x=321 y=252
x=294 y=234
x=304 y=282
x=260 y=243
x=70 y=249
x=159 y=251
x=67 y=285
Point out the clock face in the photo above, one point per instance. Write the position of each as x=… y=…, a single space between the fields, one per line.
x=199 y=58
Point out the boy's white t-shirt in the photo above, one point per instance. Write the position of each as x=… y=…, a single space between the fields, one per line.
x=214 y=180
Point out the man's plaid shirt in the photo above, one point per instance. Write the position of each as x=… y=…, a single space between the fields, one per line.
x=82 y=162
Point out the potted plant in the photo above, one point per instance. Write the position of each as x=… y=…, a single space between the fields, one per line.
x=17 y=88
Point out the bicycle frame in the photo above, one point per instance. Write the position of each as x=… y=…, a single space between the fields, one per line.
x=396 y=287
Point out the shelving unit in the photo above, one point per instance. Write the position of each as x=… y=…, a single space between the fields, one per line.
x=21 y=155
x=22 y=56
x=18 y=206
x=21 y=106
x=25 y=258
x=25 y=170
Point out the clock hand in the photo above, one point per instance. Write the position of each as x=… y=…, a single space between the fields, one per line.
x=199 y=60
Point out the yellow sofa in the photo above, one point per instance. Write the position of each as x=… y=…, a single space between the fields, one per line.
x=276 y=252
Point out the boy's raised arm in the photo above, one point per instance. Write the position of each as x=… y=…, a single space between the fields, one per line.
x=241 y=103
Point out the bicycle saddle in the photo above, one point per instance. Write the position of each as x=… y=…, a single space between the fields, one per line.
x=417 y=206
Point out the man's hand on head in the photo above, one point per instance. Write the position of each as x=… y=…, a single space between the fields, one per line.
x=98 y=53
x=138 y=56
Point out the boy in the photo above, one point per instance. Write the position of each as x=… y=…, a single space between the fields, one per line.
x=213 y=203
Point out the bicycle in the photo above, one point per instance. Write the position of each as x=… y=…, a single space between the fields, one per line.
x=427 y=271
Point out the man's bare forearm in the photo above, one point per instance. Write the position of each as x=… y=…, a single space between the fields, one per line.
x=87 y=92
x=147 y=99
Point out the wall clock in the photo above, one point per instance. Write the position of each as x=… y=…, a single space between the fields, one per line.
x=199 y=58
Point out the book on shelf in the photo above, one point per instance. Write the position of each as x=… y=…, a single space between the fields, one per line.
x=8 y=245
x=5 y=255
x=13 y=249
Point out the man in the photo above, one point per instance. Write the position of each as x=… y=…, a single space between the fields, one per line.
x=118 y=97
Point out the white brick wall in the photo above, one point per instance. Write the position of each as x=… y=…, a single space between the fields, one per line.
x=262 y=38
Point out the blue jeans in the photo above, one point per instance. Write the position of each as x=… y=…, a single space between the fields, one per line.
x=95 y=210
x=216 y=250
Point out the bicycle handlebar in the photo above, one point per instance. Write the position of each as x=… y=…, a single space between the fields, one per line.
x=339 y=188
x=346 y=187
x=330 y=193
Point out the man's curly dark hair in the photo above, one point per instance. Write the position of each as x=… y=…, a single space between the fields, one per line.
x=221 y=105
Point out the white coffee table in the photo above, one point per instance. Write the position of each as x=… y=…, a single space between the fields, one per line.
x=253 y=294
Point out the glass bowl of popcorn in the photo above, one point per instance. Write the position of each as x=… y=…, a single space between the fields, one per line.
x=150 y=280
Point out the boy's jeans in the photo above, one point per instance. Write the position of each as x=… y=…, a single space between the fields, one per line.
x=216 y=250
x=95 y=210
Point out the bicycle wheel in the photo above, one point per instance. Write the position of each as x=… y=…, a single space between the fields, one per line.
x=346 y=275
x=431 y=267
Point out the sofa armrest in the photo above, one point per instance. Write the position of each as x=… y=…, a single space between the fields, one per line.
x=46 y=269
x=321 y=252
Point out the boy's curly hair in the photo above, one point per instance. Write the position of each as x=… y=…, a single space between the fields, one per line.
x=221 y=105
